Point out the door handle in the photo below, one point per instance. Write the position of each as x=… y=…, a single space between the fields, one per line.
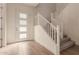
x=0 y=17
x=16 y=28
x=0 y=28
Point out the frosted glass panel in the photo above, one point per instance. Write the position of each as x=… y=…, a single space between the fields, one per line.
x=0 y=23
x=23 y=22
x=22 y=15
x=0 y=13
x=0 y=34
x=22 y=29
x=0 y=28
x=23 y=36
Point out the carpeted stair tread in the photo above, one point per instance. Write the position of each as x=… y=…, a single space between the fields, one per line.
x=65 y=40
x=66 y=45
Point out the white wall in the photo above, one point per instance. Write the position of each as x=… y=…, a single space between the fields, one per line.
x=69 y=16
x=46 y=9
x=12 y=10
x=3 y=25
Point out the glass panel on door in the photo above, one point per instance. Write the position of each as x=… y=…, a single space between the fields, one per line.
x=23 y=36
x=22 y=29
x=23 y=22
x=23 y=15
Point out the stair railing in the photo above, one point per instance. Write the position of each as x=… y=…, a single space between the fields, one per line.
x=52 y=30
x=53 y=20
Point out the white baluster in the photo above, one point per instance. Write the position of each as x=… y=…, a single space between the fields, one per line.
x=58 y=39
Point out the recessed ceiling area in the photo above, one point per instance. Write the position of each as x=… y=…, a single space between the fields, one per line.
x=31 y=4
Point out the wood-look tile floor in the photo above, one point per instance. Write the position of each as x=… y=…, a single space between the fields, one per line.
x=74 y=50
x=24 y=48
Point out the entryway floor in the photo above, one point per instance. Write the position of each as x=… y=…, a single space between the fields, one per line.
x=24 y=48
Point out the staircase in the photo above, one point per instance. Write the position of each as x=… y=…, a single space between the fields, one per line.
x=47 y=34
x=66 y=42
x=51 y=36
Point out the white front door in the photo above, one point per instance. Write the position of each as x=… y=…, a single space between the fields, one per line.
x=24 y=23
x=21 y=26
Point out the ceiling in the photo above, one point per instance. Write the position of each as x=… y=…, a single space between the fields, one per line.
x=31 y=4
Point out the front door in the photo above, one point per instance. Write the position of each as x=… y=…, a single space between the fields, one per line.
x=21 y=26
x=24 y=23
